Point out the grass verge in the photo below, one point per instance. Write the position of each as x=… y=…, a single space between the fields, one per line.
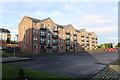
x=12 y=72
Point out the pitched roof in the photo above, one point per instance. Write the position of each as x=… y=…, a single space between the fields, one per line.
x=60 y=26
x=44 y=19
x=65 y=26
x=90 y=32
x=80 y=30
x=33 y=19
x=4 y=30
x=37 y=20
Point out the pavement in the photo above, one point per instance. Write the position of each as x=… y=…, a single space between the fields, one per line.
x=78 y=65
x=4 y=58
x=111 y=72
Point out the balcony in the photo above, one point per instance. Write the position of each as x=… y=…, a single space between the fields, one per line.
x=55 y=43
x=42 y=28
x=42 y=35
x=75 y=34
x=82 y=35
x=43 y=43
x=55 y=49
x=87 y=37
x=55 y=36
x=67 y=43
x=67 y=38
x=71 y=47
x=83 y=40
x=75 y=39
x=48 y=46
x=75 y=43
x=87 y=40
x=55 y=30
x=68 y=32
x=42 y=50
x=87 y=44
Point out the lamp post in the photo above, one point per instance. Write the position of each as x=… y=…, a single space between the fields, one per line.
x=14 y=45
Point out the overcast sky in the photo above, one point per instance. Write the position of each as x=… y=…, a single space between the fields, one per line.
x=99 y=17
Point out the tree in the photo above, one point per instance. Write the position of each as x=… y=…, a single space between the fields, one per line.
x=118 y=45
x=103 y=46
x=8 y=41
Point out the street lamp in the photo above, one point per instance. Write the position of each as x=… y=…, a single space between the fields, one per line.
x=14 y=45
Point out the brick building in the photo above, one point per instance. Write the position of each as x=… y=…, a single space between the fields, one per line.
x=37 y=36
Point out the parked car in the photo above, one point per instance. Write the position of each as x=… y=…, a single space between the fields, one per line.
x=111 y=49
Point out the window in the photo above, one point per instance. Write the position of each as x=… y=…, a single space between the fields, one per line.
x=68 y=47
x=54 y=28
x=54 y=47
x=35 y=46
x=62 y=47
x=35 y=31
x=24 y=40
x=24 y=25
x=42 y=47
x=54 y=40
x=42 y=26
x=42 y=33
x=62 y=35
x=68 y=36
x=42 y=40
x=62 y=41
x=70 y=43
x=67 y=30
x=35 y=39
x=48 y=26
x=48 y=41
x=35 y=23
x=48 y=34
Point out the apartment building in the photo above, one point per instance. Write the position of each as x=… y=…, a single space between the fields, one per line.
x=4 y=35
x=35 y=35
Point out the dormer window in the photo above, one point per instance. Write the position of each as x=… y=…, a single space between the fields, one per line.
x=35 y=23
x=42 y=26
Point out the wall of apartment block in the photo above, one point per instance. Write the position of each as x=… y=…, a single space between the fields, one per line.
x=38 y=36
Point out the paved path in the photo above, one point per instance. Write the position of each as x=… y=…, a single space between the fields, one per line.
x=111 y=72
x=4 y=59
x=75 y=65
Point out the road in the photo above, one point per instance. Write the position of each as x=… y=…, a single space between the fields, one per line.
x=82 y=65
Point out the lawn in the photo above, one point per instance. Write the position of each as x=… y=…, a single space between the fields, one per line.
x=10 y=72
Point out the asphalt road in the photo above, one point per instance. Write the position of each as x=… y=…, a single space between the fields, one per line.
x=83 y=65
